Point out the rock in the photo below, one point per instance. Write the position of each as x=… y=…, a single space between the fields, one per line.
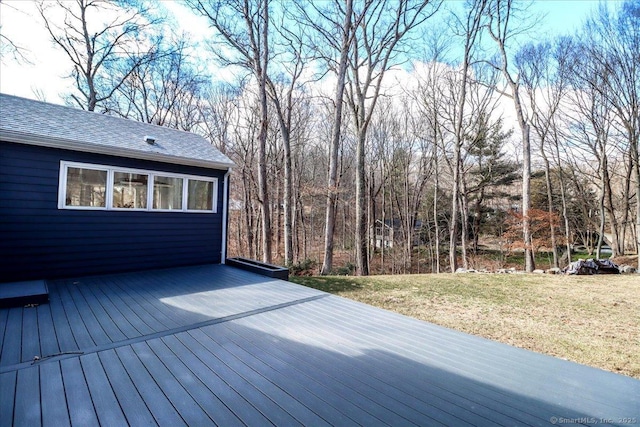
x=538 y=271
x=626 y=269
x=554 y=270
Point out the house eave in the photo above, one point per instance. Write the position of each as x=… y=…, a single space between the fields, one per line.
x=66 y=144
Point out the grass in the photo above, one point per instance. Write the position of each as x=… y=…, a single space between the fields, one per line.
x=593 y=320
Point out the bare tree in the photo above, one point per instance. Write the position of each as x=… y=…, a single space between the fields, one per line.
x=104 y=42
x=614 y=49
x=383 y=26
x=166 y=92
x=8 y=47
x=592 y=132
x=502 y=14
x=333 y=29
x=542 y=78
x=429 y=102
x=282 y=93
x=468 y=26
x=244 y=28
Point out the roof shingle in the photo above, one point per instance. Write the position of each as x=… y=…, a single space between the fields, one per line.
x=33 y=122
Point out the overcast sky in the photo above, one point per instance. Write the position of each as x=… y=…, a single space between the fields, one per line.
x=44 y=75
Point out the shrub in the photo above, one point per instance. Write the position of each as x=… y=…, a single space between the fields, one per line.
x=345 y=270
x=305 y=267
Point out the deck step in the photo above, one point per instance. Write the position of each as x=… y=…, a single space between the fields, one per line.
x=19 y=294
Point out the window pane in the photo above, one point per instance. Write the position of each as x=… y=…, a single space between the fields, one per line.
x=130 y=190
x=167 y=193
x=200 y=195
x=86 y=187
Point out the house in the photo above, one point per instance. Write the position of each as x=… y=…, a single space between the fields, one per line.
x=383 y=234
x=389 y=233
x=83 y=193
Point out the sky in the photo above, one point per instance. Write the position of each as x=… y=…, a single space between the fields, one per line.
x=43 y=76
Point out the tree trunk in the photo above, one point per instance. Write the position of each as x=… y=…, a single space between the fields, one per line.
x=332 y=185
x=435 y=211
x=455 y=195
x=552 y=228
x=530 y=264
x=263 y=184
x=362 y=247
x=464 y=229
x=636 y=157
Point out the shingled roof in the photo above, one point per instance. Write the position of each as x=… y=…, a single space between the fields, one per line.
x=38 y=123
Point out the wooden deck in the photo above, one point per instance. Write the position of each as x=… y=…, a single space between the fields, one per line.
x=214 y=345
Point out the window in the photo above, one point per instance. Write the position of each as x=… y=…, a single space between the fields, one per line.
x=200 y=196
x=130 y=190
x=167 y=193
x=85 y=186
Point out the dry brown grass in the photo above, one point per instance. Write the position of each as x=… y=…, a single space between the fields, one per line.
x=593 y=320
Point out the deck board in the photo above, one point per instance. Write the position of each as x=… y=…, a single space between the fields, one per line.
x=132 y=404
x=179 y=397
x=27 y=404
x=285 y=401
x=123 y=318
x=81 y=334
x=279 y=363
x=81 y=409
x=105 y=319
x=104 y=400
x=200 y=363
x=363 y=407
x=135 y=313
x=433 y=400
x=12 y=342
x=159 y=405
x=214 y=345
x=201 y=394
x=4 y=314
x=8 y=397
x=30 y=347
x=46 y=331
x=274 y=413
x=64 y=335
x=489 y=363
x=54 y=406
x=451 y=386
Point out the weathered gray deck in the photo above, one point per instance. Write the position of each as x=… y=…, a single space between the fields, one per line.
x=213 y=345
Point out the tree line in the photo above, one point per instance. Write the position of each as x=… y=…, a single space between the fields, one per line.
x=385 y=136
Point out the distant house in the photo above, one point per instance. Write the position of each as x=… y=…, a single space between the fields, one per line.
x=389 y=233
x=83 y=193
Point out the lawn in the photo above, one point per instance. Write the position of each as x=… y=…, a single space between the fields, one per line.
x=593 y=320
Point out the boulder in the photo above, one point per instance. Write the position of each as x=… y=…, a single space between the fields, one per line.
x=626 y=269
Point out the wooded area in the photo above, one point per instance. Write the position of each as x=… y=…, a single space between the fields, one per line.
x=395 y=134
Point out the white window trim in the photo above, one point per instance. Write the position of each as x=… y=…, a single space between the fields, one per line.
x=185 y=193
x=62 y=188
